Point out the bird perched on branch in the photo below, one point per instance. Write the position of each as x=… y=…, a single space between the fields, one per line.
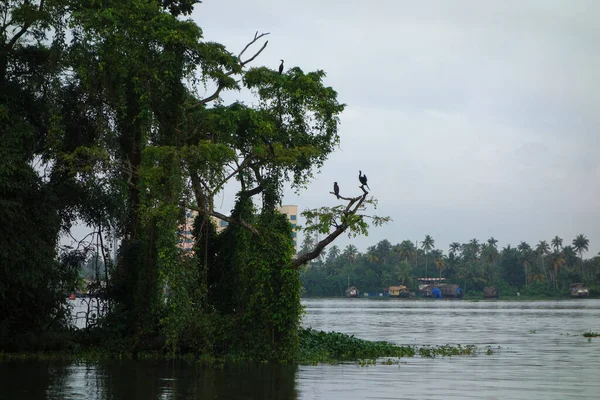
x=336 y=189
x=363 y=179
x=281 y=67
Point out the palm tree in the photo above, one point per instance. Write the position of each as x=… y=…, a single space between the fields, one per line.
x=372 y=255
x=307 y=244
x=492 y=242
x=406 y=250
x=581 y=244
x=383 y=249
x=334 y=252
x=440 y=264
x=474 y=244
x=351 y=253
x=489 y=255
x=556 y=243
x=427 y=245
x=542 y=249
x=454 y=246
x=570 y=256
x=525 y=250
x=470 y=251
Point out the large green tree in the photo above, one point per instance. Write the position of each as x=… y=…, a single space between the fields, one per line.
x=33 y=201
x=126 y=144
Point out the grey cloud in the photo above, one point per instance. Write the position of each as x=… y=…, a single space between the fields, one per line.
x=471 y=118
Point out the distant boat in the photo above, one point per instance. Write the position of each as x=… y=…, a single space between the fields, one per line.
x=579 y=290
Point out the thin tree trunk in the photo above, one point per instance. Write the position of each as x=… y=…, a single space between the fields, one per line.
x=544 y=269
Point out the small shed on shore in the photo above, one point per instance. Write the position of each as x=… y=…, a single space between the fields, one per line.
x=398 y=291
x=352 y=291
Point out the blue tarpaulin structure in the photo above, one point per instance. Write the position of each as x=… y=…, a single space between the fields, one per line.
x=436 y=293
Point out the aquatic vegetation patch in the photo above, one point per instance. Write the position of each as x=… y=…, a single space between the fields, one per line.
x=319 y=346
x=591 y=334
x=331 y=347
x=447 y=351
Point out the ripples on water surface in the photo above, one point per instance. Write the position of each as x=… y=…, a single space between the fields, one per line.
x=542 y=356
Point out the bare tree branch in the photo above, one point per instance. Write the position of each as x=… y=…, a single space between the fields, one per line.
x=4 y=23
x=341 y=228
x=255 y=191
x=129 y=170
x=320 y=246
x=352 y=199
x=237 y=221
x=240 y=166
x=256 y=37
x=243 y=63
x=221 y=85
x=210 y=98
x=104 y=258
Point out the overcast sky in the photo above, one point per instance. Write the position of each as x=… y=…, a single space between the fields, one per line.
x=471 y=118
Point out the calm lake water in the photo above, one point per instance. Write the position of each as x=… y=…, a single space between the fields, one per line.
x=542 y=355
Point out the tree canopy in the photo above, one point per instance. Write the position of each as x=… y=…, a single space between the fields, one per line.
x=471 y=265
x=102 y=123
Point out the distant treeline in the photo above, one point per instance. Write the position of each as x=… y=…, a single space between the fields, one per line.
x=544 y=269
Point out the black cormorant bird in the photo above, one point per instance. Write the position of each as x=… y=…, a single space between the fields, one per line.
x=363 y=179
x=281 y=67
x=336 y=189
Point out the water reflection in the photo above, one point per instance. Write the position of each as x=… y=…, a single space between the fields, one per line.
x=127 y=380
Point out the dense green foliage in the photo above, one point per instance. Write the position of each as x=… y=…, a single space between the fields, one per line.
x=101 y=123
x=532 y=273
x=32 y=280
